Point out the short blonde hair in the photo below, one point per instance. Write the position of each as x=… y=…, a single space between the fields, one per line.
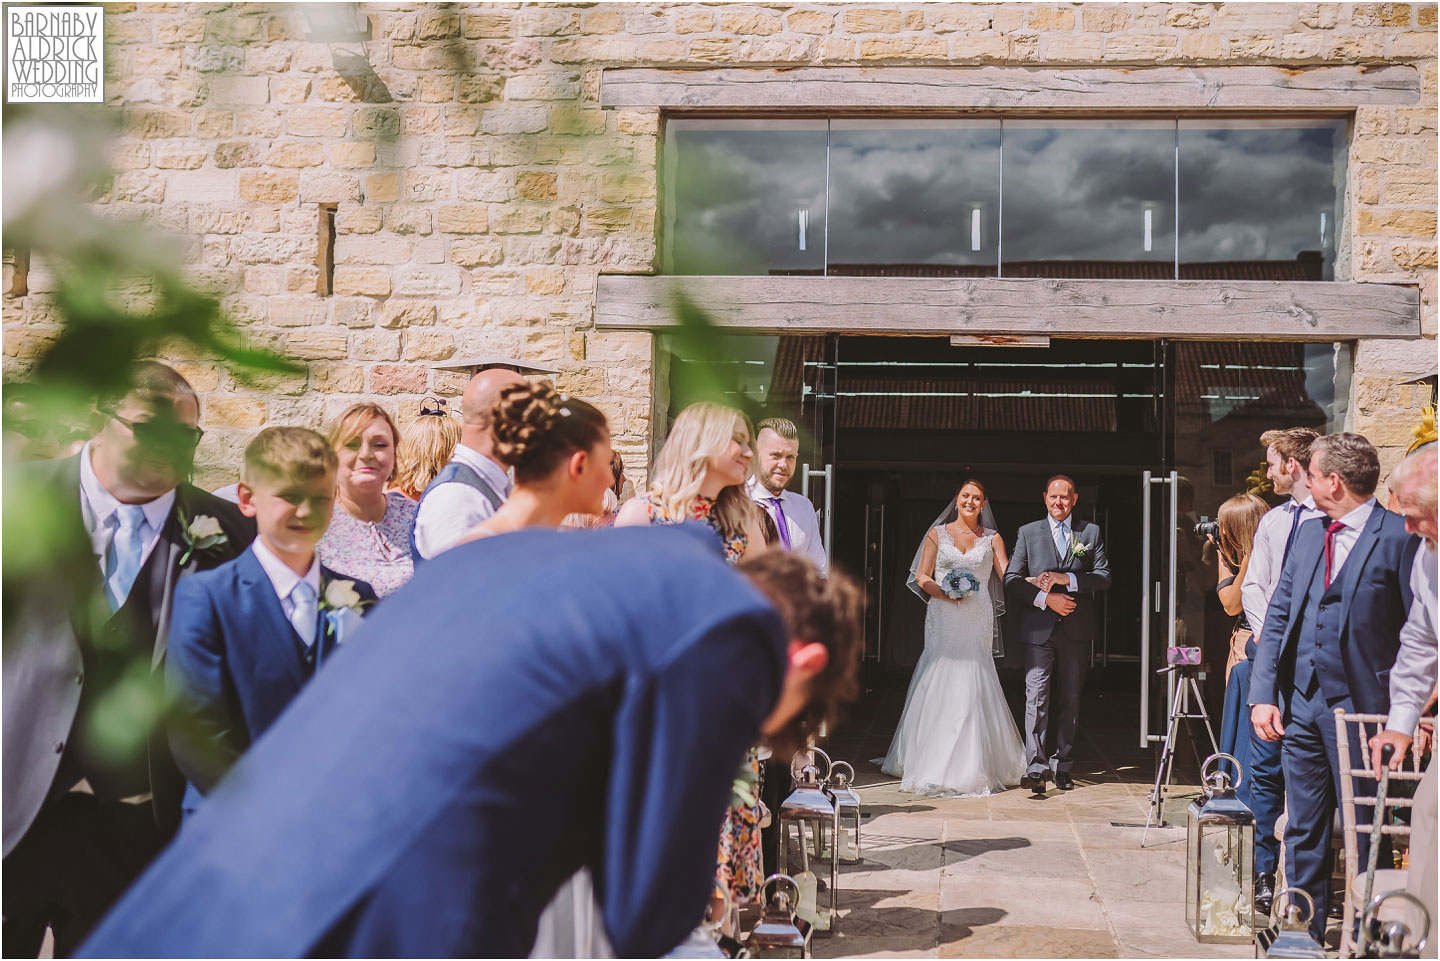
x=424 y=450
x=287 y=454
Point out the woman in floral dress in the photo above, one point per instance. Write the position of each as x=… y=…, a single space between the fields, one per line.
x=700 y=476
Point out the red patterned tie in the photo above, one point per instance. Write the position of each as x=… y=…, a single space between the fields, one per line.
x=1335 y=526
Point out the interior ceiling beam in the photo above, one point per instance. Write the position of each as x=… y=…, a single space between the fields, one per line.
x=947 y=306
x=1321 y=88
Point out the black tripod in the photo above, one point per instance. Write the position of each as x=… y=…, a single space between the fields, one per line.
x=1188 y=705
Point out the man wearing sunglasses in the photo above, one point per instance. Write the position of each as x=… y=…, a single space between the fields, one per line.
x=90 y=790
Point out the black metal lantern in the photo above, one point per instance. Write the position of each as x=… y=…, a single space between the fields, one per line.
x=1219 y=856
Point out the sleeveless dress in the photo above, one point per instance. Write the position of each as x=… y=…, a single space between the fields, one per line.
x=738 y=858
x=957 y=737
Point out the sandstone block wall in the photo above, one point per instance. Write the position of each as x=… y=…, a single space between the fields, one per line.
x=478 y=189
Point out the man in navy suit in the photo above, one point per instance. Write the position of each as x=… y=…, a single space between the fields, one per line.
x=84 y=810
x=527 y=705
x=248 y=635
x=1331 y=637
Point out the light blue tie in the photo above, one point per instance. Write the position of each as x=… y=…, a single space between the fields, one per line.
x=306 y=613
x=1062 y=540
x=126 y=549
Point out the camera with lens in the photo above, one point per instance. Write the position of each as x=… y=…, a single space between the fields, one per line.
x=1208 y=529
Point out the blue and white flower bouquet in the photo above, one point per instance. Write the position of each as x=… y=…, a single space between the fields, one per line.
x=959 y=585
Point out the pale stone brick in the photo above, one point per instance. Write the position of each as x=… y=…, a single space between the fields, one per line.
x=535 y=185
x=357 y=219
x=594 y=50
x=1387 y=151
x=603 y=21
x=1367 y=186
x=903 y=48
x=696 y=21
x=273 y=249
x=408 y=313
x=376 y=123
x=328 y=188
x=1132 y=47
x=230 y=411
x=485 y=186
x=570 y=119
x=671 y=50
x=761 y=22
x=480 y=89
x=1414 y=257
x=520 y=220
x=548 y=23
x=1380 y=15
x=427 y=345
x=268 y=58
x=870 y=20
x=1425 y=16
x=298 y=312
x=1104 y=18
x=479 y=26
x=326 y=122
x=464 y=122
x=637 y=122
x=337 y=378
x=353 y=312
x=983 y=47
x=179 y=154
x=186 y=30
x=246 y=91
x=950 y=18
x=476 y=253
x=350 y=156
x=1203 y=46
x=387 y=379
x=712 y=50
x=212 y=124
x=362 y=281
x=427 y=280
x=1054 y=18
x=227 y=30
x=202 y=186
x=372 y=249
x=462 y=219
x=544 y=86
x=1187 y=17
x=295 y=154
x=405 y=219
x=1406 y=46
x=157 y=61
x=157 y=124
x=438 y=26
x=1395 y=220
x=514 y=120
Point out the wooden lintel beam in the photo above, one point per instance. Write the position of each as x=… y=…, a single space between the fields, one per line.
x=1314 y=88
x=945 y=306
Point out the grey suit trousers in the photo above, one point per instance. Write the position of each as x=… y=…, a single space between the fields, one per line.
x=1054 y=675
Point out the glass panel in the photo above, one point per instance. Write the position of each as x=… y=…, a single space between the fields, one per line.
x=1260 y=199
x=744 y=197
x=914 y=198
x=1089 y=198
x=1225 y=395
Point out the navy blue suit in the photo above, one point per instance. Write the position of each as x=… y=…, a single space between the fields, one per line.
x=528 y=704
x=235 y=663
x=1324 y=649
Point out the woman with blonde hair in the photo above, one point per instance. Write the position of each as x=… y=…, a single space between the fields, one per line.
x=425 y=449
x=369 y=534
x=700 y=476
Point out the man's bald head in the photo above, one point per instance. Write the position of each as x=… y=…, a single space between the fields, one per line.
x=478 y=404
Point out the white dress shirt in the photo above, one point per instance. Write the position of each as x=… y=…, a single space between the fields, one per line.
x=1413 y=676
x=98 y=507
x=1074 y=583
x=1267 y=556
x=284 y=580
x=802 y=523
x=449 y=511
x=1346 y=537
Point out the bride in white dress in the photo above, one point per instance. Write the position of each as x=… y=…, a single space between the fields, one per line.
x=957 y=737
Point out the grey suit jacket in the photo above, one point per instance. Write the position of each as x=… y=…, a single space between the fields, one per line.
x=1033 y=554
x=59 y=609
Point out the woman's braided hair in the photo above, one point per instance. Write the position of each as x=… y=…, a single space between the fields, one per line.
x=536 y=428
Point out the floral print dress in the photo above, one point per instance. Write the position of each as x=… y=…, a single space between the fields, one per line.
x=378 y=553
x=738 y=862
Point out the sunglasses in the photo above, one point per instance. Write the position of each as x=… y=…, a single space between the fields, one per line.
x=161 y=433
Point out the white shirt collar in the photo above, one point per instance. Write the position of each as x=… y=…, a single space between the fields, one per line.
x=1355 y=520
x=282 y=578
x=1054 y=523
x=758 y=491
x=1308 y=504
x=103 y=504
x=493 y=473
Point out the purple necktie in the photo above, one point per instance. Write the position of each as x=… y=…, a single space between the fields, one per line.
x=781 y=524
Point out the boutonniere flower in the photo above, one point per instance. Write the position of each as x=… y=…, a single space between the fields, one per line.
x=342 y=608
x=1077 y=547
x=202 y=533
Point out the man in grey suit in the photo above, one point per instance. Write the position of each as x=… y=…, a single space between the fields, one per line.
x=1055 y=570
x=90 y=790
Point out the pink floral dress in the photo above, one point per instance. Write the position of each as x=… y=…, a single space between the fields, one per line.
x=377 y=553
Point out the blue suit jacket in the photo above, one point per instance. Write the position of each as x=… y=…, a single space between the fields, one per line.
x=233 y=664
x=526 y=705
x=1374 y=603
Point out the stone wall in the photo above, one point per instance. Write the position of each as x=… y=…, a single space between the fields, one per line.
x=479 y=189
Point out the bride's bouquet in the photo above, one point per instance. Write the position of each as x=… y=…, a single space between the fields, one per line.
x=958 y=585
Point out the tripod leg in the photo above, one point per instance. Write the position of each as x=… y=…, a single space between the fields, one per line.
x=1162 y=771
x=1205 y=716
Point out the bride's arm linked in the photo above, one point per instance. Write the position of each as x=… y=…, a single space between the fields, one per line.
x=925 y=573
x=1001 y=560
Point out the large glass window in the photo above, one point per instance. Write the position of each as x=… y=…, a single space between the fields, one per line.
x=914 y=198
x=745 y=197
x=1261 y=198
x=1089 y=198
x=1223 y=199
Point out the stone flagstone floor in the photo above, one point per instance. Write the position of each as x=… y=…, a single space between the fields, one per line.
x=1014 y=876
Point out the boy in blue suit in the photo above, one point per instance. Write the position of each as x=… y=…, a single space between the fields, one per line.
x=247 y=636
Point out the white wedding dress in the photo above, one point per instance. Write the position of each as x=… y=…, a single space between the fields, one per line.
x=956 y=736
